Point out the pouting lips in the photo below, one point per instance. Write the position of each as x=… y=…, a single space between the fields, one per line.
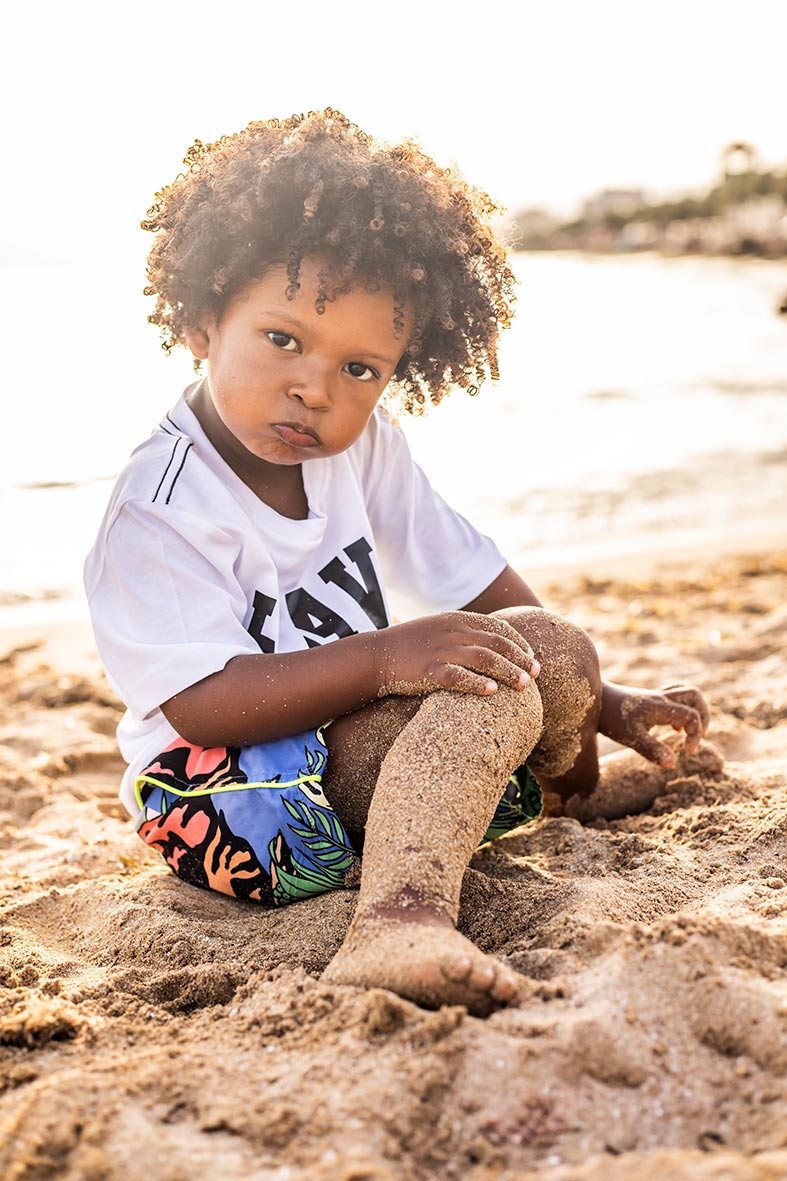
x=296 y=434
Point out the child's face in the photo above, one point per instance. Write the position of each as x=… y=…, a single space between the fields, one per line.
x=292 y=385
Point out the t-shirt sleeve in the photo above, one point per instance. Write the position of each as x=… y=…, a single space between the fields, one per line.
x=430 y=553
x=164 y=614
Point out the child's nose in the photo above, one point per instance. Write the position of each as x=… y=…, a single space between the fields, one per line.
x=311 y=387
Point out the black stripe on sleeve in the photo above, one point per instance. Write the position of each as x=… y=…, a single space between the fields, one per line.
x=177 y=473
x=166 y=469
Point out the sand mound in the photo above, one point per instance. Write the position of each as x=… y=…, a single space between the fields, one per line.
x=148 y=1029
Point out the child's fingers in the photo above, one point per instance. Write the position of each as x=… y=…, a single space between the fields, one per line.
x=688 y=695
x=650 y=748
x=667 y=713
x=519 y=655
x=495 y=666
x=508 y=643
x=500 y=634
x=462 y=680
x=682 y=717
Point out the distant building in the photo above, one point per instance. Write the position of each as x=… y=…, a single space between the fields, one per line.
x=617 y=202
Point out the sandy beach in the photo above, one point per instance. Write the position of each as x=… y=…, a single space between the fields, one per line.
x=152 y=1031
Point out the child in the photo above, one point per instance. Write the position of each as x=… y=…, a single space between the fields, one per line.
x=238 y=582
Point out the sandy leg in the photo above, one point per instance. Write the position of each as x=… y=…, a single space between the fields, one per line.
x=437 y=789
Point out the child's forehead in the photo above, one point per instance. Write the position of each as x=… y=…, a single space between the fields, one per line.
x=323 y=285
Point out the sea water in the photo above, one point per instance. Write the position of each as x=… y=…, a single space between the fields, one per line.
x=642 y=404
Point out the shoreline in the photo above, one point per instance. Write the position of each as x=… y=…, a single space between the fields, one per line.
x=652 y=252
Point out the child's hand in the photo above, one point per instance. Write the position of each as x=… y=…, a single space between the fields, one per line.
x=460 y=650
x=627 y=715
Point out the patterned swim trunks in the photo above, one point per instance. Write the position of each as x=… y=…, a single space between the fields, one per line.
x=253 y=822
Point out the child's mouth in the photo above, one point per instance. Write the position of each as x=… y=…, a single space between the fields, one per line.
x=296 y=434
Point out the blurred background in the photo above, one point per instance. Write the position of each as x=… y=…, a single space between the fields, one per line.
x=642 y=155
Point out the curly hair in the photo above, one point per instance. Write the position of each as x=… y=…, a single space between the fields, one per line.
x=377 y=215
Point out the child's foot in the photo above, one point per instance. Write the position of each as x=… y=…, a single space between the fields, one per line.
x=629 y=785
x=430 y=964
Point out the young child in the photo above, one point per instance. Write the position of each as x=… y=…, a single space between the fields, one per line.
x=238 y=582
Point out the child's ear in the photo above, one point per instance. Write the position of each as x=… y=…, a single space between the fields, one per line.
x=198 y=341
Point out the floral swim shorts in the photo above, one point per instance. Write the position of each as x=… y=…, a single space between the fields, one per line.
x=253 y=821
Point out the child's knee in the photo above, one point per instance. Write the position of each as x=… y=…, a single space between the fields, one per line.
x=564 y=651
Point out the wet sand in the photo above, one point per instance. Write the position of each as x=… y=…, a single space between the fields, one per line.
x=151 y=1030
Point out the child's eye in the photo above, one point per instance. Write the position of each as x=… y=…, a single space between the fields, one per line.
x=283 y=341
x=362 y=372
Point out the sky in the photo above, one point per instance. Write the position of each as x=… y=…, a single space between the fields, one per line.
x=538 y=103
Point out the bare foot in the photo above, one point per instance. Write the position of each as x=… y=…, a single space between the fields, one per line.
x=430 y=964
x=628 y=784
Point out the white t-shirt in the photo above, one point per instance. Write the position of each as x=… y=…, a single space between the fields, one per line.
x=191 y=569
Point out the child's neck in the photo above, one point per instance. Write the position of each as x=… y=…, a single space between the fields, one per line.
x=277 y=485
x=282 y=489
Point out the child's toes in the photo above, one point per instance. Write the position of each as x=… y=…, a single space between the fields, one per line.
x=483 y=976
x=506 y=986
x=458 y=968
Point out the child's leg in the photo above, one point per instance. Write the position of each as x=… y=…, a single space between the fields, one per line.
x=436 y=791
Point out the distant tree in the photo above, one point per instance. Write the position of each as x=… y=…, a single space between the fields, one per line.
x=743 y=179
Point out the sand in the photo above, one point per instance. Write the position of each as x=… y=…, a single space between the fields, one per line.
x=152 y=1031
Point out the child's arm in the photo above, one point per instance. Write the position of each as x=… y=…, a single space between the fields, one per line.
x=627 y=715
x=259 y=698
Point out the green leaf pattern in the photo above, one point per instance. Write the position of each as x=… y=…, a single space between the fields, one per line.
x=321 y=858
x=525 y=806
